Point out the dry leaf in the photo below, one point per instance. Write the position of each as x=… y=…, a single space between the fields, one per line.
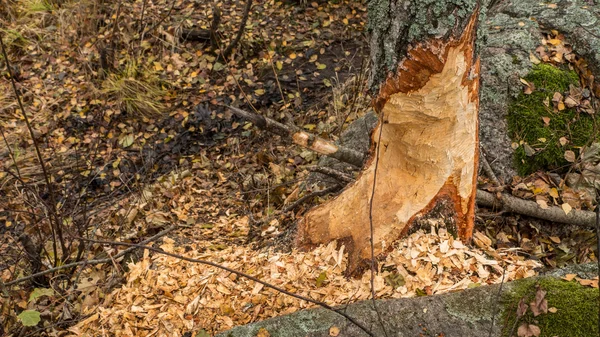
x=262 y=332
x=528 y=330
x=334 y=331
x=570 y=156
x=566 y=208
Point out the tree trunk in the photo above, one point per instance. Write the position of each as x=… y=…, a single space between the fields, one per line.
x=425 y=154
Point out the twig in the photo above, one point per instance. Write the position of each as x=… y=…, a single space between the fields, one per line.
x=298 y=202
x=90 y=262
x=239 y=273
x=487 y=168
x=372 y=242
x=341 y=176
x=240 y=32
x=495 y=304
x=159 y=21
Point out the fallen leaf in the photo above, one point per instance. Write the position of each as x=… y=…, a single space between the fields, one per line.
x=334 y=331
x=546 y=120
x=528 y=330
x=262 y=332
x=570 y=156
x=521 y=308
x=566 y=208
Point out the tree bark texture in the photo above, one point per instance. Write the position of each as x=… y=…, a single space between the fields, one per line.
x=425 y=153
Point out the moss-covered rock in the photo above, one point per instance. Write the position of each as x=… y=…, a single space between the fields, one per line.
x=527 y=127
x=576 y=308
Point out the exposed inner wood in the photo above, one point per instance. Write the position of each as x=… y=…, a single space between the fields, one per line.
x=428 y=152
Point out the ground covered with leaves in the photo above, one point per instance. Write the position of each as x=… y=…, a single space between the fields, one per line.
x=126 y=103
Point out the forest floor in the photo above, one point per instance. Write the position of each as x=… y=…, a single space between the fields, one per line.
x=126 y=103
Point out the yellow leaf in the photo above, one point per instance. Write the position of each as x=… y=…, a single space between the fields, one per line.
x=534 y=59
x=321 y=66
x=158 y=66
x=345 y=21
x=555 y=42
x=567 y=208
x=279 y=65
x=313 y=58
x=553 y=192
x=293 y=56
x=259 y=92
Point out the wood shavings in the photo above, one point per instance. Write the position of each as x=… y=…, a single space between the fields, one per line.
x=176 y=296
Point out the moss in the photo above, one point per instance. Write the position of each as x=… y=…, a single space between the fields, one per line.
x=526 y=125
x=577 y=308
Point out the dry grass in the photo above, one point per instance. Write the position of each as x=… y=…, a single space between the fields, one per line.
x=135 y=90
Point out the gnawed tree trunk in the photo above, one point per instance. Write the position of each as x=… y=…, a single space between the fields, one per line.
x=427 y=145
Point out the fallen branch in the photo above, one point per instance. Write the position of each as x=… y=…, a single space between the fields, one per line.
x=512 y=204
x=303 y=138
x=341 y=176
x=239 y=273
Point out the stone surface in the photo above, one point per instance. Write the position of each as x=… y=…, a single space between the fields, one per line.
x=466 y=313
x=509 y=32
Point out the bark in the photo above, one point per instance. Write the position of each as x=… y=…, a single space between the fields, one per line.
x=426 y=150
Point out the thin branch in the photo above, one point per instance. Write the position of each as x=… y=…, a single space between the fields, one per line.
x=371 y=228
x=57 y=226
x=341 y=176
x=495 y=310
x=487 y=168
x=89 y=262
x=240 y=32
x=303 y=138
x=162 y=19
x=239 y=273
x=310 y=196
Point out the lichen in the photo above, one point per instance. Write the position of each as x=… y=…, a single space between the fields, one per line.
x=528 y=129
x=576 y=308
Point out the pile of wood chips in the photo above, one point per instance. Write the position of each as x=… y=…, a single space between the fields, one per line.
x=165 y=296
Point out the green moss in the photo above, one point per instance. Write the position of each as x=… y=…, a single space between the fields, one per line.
x=577 y=308
x=526 y=125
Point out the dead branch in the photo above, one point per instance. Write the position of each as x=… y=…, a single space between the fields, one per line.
x=303 y=138
x=512 y=204
x=341 y=176
x=339 y=311
x=240 y=32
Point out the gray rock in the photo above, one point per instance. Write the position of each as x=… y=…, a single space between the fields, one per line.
x=465 y=313
x=506 y=37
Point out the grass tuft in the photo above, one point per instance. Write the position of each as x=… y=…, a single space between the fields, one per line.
x=135 y=90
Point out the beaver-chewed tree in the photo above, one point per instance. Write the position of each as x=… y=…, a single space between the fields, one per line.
x=425 y=79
